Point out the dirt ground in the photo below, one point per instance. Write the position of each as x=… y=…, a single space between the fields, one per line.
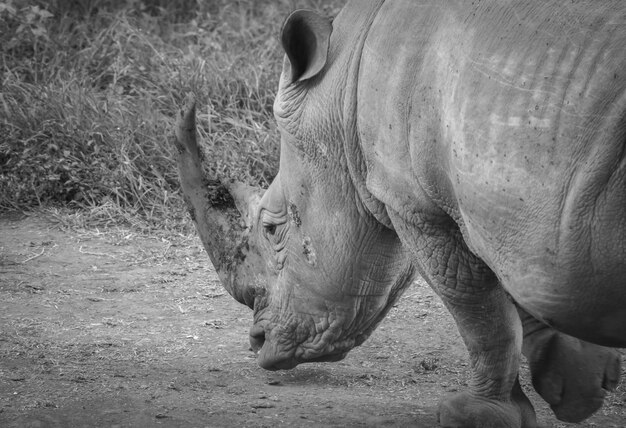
x=118 y=329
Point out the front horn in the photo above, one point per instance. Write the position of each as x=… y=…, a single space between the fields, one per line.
x=232 y=248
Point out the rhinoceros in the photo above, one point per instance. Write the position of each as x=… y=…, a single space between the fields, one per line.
x=478 y=144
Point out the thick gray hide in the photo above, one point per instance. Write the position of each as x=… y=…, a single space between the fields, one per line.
x=481 y=144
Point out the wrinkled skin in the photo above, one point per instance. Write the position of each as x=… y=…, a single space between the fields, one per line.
x=321 y=303
x=479 y=144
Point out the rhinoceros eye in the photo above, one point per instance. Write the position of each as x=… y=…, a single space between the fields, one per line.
x=274 y=228
x=270 y=229
x=275 y=233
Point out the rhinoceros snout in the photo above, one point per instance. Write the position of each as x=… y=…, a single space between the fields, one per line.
x=257 y=338
x=270 y=356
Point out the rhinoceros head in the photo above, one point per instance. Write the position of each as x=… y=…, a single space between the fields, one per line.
x=306 y=255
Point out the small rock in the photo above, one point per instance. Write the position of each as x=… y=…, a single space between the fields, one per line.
x=263 y=406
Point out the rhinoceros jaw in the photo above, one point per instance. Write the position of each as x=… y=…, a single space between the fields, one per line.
x=284 y=345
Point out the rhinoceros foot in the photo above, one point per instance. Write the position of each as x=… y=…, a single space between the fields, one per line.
x=467 y=410
x=573 y=376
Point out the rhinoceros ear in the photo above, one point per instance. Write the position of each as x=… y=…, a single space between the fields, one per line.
x=305 y=38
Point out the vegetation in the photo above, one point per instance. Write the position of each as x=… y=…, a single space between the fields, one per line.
x=89 y=91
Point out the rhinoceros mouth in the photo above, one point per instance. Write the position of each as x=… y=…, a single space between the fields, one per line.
x=271 y=355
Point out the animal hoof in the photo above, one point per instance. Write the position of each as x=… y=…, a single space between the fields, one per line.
x=573 y=376
x=466 y=410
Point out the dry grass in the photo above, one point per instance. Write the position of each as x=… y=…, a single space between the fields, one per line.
x=89 y=91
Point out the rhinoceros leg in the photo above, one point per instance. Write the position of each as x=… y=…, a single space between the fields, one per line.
x=487 y=320
x=570 y=374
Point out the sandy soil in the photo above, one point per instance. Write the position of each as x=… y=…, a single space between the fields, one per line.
x=118 y=329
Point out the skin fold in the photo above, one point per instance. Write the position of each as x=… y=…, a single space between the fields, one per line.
x=480 y=145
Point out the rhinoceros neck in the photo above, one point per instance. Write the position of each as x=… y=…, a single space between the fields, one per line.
x=352 y=57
